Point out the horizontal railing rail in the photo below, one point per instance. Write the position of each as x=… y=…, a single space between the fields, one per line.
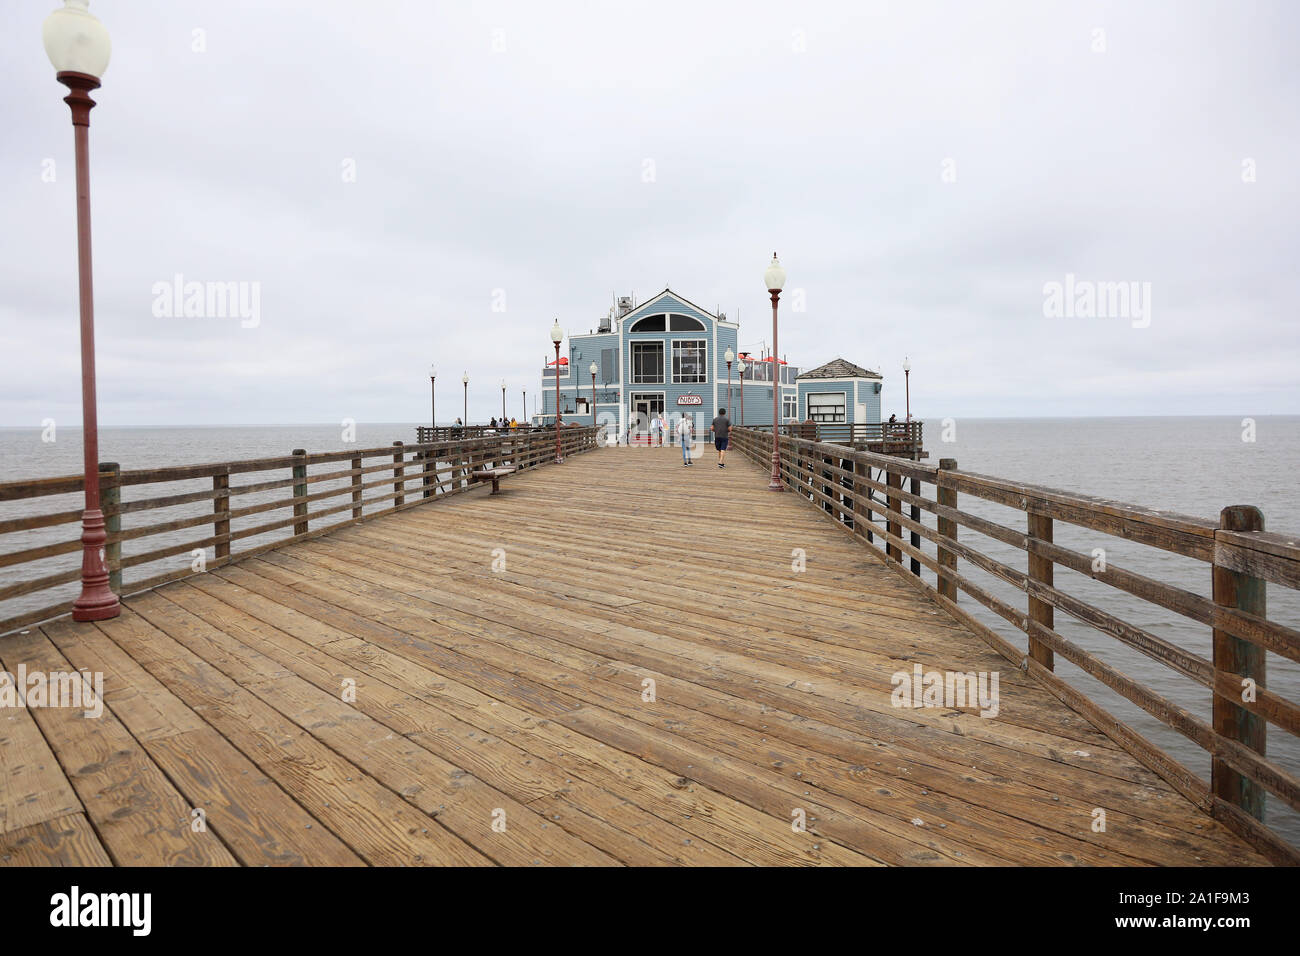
x=891 y=438
x=178 y=520
x=425 y=433
x=878 y=499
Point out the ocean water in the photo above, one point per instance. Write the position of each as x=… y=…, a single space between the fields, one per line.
x=1192 y=465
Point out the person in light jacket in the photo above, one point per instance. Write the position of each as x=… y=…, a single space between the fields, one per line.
x=686 y=435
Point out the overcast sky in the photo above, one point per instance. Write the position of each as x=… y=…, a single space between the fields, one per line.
x=924 y=170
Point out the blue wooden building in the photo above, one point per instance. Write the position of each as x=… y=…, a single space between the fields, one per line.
x=667 y=356
x=839 y=392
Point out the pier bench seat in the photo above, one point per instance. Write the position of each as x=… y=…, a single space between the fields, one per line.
x=493 y=475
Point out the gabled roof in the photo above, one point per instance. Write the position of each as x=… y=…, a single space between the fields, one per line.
x=645 y=308
x=839 y=368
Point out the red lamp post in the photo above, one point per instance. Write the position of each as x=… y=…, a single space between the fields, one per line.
x=78 y=47
x=741 y=367
x=774 y=279
x=729 y=357
x=557 y=336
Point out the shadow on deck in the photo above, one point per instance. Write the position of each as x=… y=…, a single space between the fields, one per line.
x=611 y=662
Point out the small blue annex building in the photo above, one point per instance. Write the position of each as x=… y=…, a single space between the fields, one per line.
x=840 y=392
x=667 y=356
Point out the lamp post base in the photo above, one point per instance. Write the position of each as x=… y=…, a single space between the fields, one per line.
x=774 y=484
x=97 y=601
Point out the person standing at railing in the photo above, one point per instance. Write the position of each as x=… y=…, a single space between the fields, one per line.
x=721 y=429
x=686 y=435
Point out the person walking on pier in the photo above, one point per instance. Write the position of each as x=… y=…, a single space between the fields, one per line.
x=686 y=435
x=655 y=438
x=721 y=429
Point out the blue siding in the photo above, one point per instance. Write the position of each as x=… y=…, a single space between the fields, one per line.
x=860 y=390
x=614 y=387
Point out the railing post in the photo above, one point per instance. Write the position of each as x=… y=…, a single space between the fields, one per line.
x=110 y=499
x=399 y=486
x=356 y=488
x=915 y=488
x=1041 y=570
x=429 y=457
x=1243 y=659
x=861 y=513
x=221 y=511
x=300 y=491
x=895 y=482
x=947 y=497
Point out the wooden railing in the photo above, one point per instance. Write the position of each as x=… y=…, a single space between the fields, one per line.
x=901 y=434
x=198 y=517
x=891 y=438
x=425 y=434
x=879 y=500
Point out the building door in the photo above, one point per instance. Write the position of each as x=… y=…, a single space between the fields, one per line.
x=644 y=406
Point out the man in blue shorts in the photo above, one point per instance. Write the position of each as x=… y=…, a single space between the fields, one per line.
x=721 y=429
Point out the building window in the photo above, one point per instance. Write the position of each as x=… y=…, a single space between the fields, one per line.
x=684 y=323
x=826 y=406
x=647 y=363
x=651 y=323
x=689 y=366
x=789 y=408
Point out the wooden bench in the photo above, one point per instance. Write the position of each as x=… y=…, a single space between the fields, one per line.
x=493 y=475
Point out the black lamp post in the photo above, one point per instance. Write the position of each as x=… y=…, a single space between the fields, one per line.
x=464 y=380
x=774 y=279
x=907 y=385
x=557 y=336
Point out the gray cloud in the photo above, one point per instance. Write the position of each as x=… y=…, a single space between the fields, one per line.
x=819 y=130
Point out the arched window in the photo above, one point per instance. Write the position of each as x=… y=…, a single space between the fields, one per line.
x=667 y=323
x=651 y=323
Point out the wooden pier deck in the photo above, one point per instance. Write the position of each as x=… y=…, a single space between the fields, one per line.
x=465 y=682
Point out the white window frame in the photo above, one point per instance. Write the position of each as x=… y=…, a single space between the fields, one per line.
x=633 y=348
x=699 y=326
x=844 y=407
x=704 y=361
x=789 y=401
